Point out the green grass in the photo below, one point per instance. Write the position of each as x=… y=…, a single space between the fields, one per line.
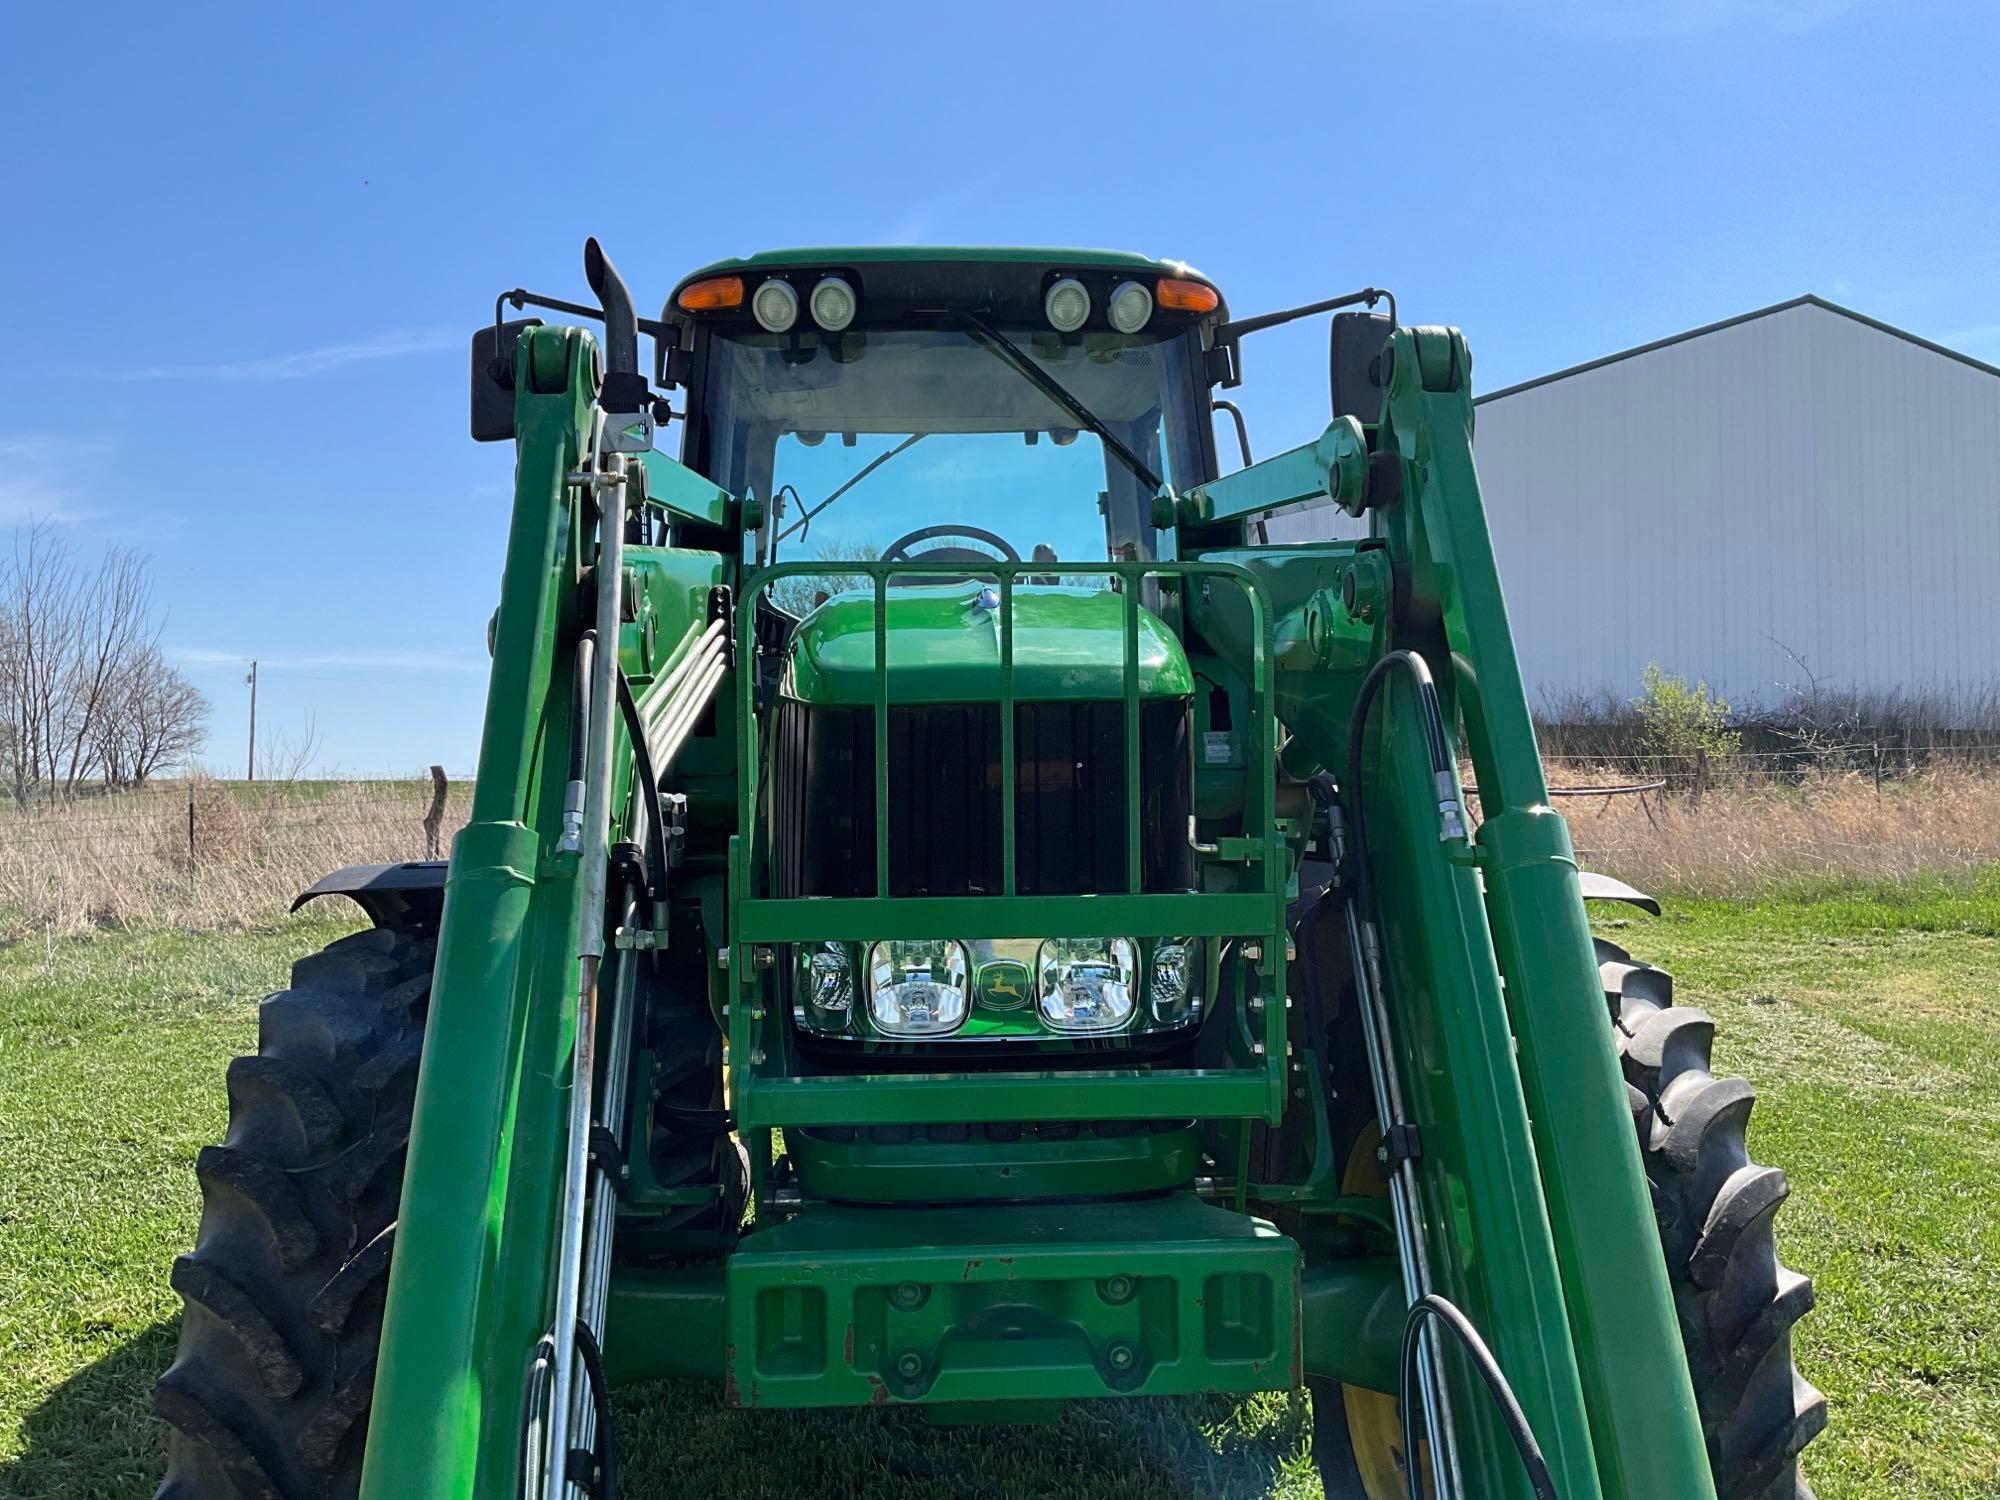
x=1862 y=1014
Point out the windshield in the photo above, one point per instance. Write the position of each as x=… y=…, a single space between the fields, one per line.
x=858 y=440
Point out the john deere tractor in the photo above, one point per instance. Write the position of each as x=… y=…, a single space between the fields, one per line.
x=1046 y=956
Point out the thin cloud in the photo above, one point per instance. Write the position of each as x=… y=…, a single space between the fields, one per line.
x=38 y=480
x=1980 y=334
x=305 y=363
x=389 y=660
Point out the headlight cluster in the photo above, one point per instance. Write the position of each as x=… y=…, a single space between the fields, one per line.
x=1087 y=984
x=1066 y=305
x=917 y=989
x=1066 y=302
x=775 y=304
x=931 y=989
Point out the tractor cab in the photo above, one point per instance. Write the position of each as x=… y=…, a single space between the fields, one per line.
x=949 y=406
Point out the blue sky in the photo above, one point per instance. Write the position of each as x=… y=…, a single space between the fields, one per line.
x=241 y=248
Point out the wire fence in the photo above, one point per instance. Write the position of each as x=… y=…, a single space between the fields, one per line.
x=1734 y=825
x=203 y=854
x=207 y=853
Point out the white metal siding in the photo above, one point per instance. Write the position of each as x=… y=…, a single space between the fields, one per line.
x=1798 y=480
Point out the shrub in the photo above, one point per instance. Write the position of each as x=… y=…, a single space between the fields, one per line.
x=212 y=828
x=1679 y=723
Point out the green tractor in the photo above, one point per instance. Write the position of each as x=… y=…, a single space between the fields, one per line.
x=1049 y=959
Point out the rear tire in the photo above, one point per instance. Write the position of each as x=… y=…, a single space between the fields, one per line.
x=270 y=1390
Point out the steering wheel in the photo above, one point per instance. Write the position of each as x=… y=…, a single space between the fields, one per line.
x=955 y=557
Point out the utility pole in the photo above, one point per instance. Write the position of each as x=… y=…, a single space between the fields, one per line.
x=250 y=766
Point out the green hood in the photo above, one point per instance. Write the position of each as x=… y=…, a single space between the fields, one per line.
x=944 y=647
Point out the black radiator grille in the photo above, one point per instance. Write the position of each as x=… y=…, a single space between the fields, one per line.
x=945 y=799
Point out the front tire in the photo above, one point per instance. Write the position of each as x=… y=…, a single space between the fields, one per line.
x=269 y=1393
x=1736 y=1302
x=1735 y=1299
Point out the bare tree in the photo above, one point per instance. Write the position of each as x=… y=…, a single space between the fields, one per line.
x=155 y=718
x=290 y=754
x=1815 y=719
x=801 y=592
x=79 y=661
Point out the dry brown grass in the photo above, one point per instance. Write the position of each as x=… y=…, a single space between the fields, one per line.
x=1750 y=834
x=124 y=860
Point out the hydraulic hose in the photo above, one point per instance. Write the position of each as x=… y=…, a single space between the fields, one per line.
x=1511 y=1416
x=606 y=1457
x=1376 y=1029
x=1428 y=1305
x=1450 y=815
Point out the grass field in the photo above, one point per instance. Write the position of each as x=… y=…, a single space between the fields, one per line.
x=1865 y=1019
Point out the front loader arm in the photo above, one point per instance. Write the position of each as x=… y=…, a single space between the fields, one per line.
x=469 y=1284
x=473 y=1280
x=1643 y=1420
x=1534 y=1199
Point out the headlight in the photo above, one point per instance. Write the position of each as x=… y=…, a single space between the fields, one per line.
x=1131 y=305
x=1086 y=984
x=830 y=981
x=776 y=306
x=1170 y=989
x=1067 y=305
x=917 y=988
x=833 y=304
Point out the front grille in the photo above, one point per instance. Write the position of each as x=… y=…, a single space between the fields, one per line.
x=945 y=799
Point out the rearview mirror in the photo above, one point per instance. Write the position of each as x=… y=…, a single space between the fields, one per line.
x=493 y=379
x=1354 y=364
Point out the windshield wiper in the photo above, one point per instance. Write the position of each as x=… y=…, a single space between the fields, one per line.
x=806 y=517
x=1059 y=393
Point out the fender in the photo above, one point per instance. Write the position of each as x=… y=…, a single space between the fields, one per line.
x=408 y=896
x=1603 y=888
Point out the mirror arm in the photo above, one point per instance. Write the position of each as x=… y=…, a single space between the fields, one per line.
x=1228 y=339
x=1242 y=429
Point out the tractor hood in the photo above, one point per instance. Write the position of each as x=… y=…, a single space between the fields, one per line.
x=944 y=647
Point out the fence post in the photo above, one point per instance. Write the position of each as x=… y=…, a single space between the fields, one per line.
x=191 y=841
x=1700 y=776
x=434 y=819
x=1875 y=754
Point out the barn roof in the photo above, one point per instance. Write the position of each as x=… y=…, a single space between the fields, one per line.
x=1808 y=300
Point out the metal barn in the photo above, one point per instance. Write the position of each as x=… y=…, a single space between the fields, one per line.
x=1801 y=484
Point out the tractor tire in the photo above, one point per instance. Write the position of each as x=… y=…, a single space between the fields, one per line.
x=1736 y=1303
x=1735 y=1300
x=269 y=1392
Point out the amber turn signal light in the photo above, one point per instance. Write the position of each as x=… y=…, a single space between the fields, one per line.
x=720 y=292
x=1186 y=296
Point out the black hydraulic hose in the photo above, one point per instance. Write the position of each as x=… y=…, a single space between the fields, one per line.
x=579 y=722
x=648 y=777
x=1427 y=706
x=1511 y=1416
x=1357 y=733
x=1451 y=824
x=606 y=1457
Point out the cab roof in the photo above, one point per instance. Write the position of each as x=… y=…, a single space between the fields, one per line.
x=1051 y=257
x=815 y=255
